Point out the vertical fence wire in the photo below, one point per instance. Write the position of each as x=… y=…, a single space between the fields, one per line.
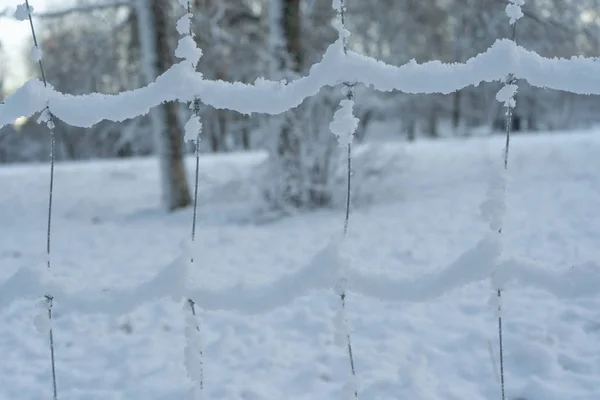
x=51 y=127
x=350 y=96
x=196 y=111
x=510 y=80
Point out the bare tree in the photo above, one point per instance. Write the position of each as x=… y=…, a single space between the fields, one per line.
x=157 y=57
x=302 y=151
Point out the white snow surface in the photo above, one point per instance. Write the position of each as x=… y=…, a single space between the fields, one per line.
x=418 y=283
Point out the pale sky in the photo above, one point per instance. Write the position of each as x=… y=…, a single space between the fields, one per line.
x=13 y=34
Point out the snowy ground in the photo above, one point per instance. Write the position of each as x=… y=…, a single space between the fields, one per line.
x=109 y=233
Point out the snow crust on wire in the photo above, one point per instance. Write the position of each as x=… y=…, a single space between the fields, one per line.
x=22 y=12
x=181 y=83
x=344 y=123
x=321 y=273
x=507 y=94
x=513 y=10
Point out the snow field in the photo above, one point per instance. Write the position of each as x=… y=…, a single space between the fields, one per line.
x=108 y=236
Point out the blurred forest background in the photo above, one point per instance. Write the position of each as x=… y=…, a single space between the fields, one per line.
x=98 y=46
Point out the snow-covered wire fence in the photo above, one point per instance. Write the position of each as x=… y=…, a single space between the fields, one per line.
x=330 y=268
x=180 y=83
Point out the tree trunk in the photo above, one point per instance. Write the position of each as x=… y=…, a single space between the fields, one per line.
x=532 y=115
x=285 y=23
x=157 y=58
x=291 y=30
x=432 y=122
x=456 y=103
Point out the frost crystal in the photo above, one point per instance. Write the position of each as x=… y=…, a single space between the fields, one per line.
x=21 y=13
x=513 y=10
x=344 y=123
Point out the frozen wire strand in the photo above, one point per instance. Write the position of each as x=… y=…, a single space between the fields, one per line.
x=194 y=217
x=500 y=344
x=196 y=109
x=35 y=42
x=197 y=174
x=49 y=298
x=509 y=81
x=350 y=96
x=343 y=21
x=193 y=308
x=189 y=11
x=348 y=189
